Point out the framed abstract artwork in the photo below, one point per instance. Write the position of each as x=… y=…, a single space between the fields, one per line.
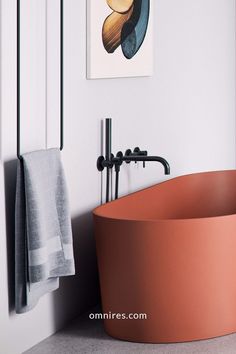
x=119 y=38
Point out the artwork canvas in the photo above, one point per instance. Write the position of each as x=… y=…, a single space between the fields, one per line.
x=119 y=38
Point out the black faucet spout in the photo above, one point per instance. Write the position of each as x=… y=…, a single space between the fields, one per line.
x=149 y=158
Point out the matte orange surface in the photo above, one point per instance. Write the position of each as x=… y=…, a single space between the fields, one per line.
x=170 y=251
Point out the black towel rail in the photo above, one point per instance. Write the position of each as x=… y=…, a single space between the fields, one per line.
x=19 y=80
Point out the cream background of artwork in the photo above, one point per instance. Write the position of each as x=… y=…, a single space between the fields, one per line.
x=101 y=64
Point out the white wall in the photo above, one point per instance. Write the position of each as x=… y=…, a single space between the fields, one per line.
x=185 y=112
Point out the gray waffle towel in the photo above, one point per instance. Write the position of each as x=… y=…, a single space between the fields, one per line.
x=43 y=237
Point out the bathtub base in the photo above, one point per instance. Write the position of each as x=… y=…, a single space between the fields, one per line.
x=157 y=339
x=140 y=337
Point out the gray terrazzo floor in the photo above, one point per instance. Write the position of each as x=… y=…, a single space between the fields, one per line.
x=86 y=336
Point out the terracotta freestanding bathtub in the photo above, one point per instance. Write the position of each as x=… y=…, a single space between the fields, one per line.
x=169 y=251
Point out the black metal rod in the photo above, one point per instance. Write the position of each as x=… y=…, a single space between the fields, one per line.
x=108 y=186
x=108 y=139
x=18 y=130
x=117 y=184
x=108 y=155
x=61 y=75
x=18 y=57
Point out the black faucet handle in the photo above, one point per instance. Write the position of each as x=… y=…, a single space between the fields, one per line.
x=128 y=152
x=139 y=152
x=143 y=153
x=100 y=162
x=119 y=155
x=136 y=152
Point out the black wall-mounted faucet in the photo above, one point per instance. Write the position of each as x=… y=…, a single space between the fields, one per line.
x=109 y=161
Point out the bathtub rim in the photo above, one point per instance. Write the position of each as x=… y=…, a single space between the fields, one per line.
x=98 y=214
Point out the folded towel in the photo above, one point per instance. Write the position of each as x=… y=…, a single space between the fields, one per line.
x=43 y=236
